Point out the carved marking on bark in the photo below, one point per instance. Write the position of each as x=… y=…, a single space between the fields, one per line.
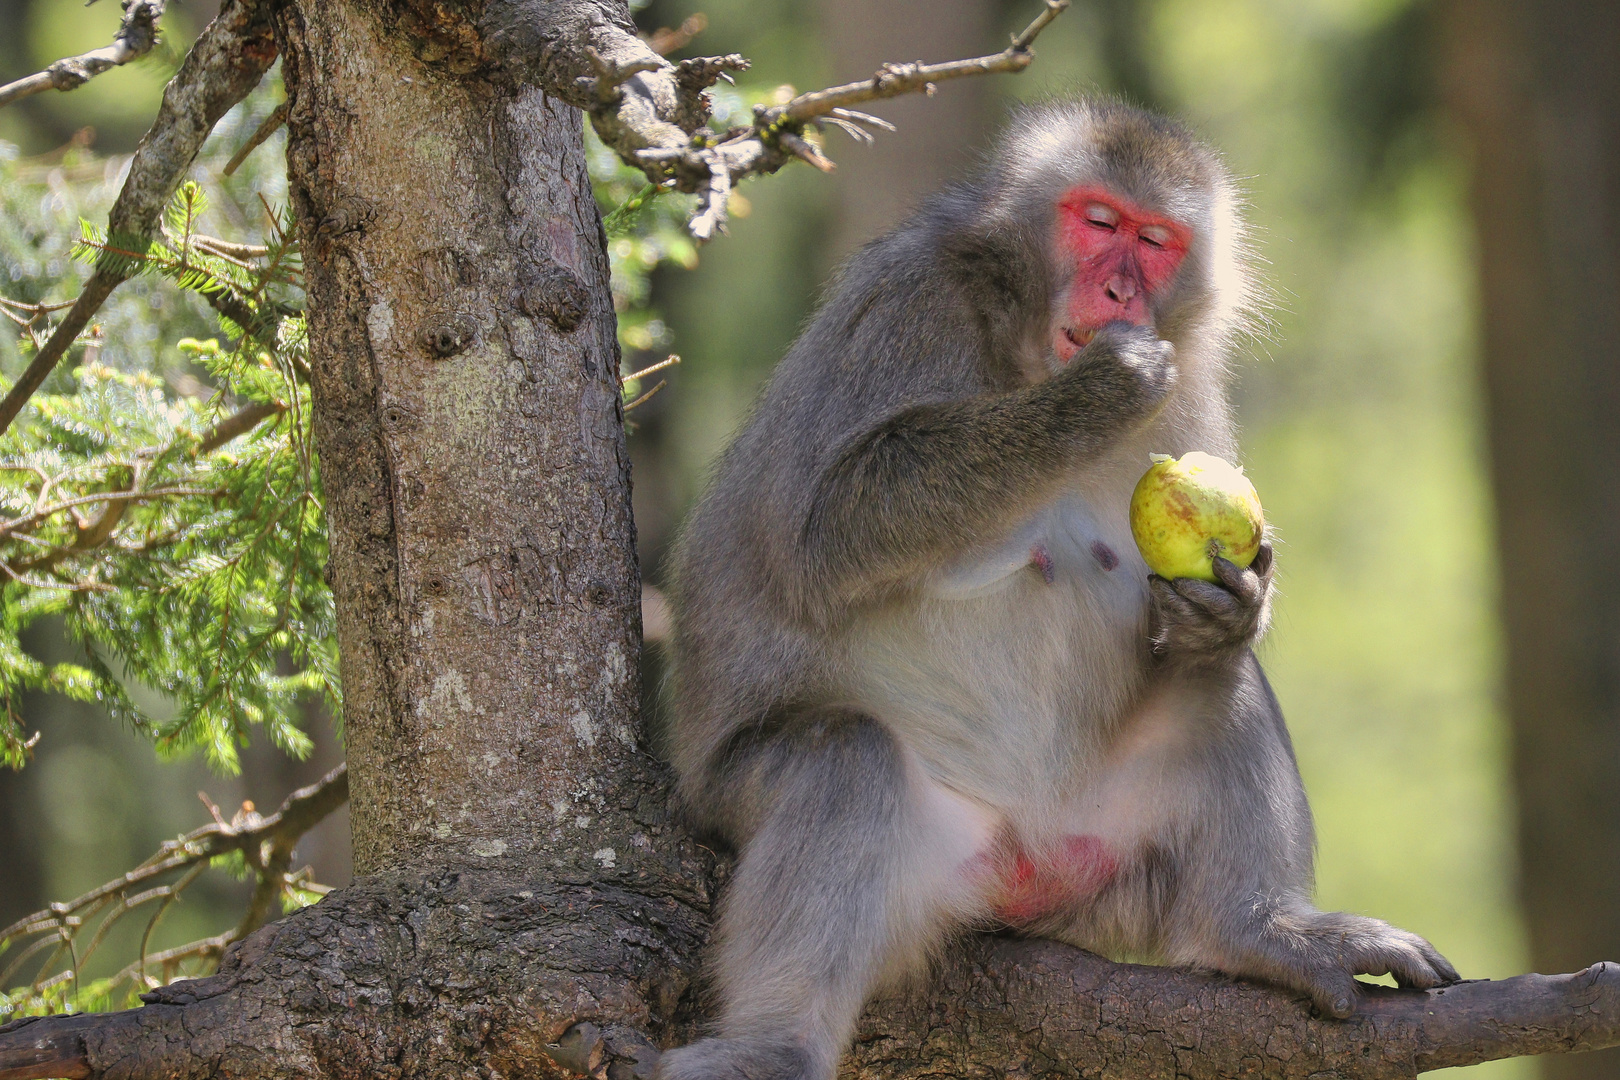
x=513 y=582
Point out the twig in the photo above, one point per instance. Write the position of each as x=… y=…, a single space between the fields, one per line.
x=36 y=516
x=669 y=361
x=225 y=249
x=642 y=400
x=227 y=60
x=271 y=123
x=804 y=151
x=136 y=35
x=266 y=844
x=892 y=80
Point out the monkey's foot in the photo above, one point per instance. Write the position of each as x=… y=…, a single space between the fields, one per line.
x=756 y=1058
x=1321 y=955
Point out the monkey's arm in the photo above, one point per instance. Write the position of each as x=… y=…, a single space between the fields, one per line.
x=933 y=480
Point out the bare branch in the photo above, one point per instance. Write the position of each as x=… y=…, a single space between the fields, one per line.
x=804 y=151
x=35 y=517
x=652 y=112
x=227 y=249
x=857 y=117
x=136 y=35
x=669 y=361
x=238 y=423
x=892 y=80
x=300 y=812
x=227 y=60
x=642 y=400
x=277 y=117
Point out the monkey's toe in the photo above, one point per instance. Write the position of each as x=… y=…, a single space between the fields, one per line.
x=1332 y=990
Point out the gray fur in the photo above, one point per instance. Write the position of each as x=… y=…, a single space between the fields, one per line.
x=913 y=633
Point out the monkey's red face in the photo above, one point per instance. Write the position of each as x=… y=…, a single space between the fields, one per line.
x=1123 y=256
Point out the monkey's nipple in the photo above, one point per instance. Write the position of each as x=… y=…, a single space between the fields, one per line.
x=1041 y=560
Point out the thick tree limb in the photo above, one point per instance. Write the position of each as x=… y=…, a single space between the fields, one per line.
x=136 y=35
x=471 y=963
x=228 y=59
x=1053 y=1010
x=652 y=111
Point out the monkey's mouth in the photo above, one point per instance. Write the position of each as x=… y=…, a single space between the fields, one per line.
x=1079 y=338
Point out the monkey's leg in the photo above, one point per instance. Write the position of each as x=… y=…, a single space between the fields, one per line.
x=1242 y=896
x=858 y=867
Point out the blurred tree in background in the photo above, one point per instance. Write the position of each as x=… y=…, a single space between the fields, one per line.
x=1363 y=409
x=1537 y=87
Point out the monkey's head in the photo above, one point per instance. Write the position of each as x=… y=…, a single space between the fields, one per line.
x=1133 y=219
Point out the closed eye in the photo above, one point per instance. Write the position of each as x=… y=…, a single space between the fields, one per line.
x=1155 y=236
x=1102 y=216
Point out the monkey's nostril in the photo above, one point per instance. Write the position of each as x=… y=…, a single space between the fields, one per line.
x=1120 y=289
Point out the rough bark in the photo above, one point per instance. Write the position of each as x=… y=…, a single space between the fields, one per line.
x=472 y=454
x=482 y=546
x=1538 y=93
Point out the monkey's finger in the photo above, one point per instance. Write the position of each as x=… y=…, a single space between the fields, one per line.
x=1170 y=602
x=1244 y=584
x=1406 y=963
x=1263 y=559
x=1441 y=965
x=1217 y=603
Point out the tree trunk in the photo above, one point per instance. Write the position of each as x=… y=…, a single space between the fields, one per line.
x=1537 y=88
x=483 y=565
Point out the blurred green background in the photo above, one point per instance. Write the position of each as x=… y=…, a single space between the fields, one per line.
x=1361 y=408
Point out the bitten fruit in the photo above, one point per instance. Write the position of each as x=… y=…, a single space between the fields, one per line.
x=1187 y=510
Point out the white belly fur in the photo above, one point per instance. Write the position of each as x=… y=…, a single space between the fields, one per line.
x=1018 y=685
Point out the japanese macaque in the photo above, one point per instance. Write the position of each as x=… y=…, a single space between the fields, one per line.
x=925 y=683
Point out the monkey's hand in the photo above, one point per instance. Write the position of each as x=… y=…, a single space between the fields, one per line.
x=1124 y=372
x=1200 y=624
